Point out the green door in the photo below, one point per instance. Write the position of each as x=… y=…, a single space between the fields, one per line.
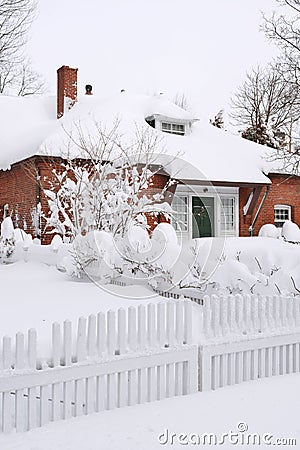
x=203 y=216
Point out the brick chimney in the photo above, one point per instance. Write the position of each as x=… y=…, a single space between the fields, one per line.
x=66 y=89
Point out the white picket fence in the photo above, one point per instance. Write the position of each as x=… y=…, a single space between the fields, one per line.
x=248 y=337
x=144 y=354
x=223 y=364
x=249 y=315
x=116 y=359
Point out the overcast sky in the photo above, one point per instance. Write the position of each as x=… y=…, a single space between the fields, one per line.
x=198 y=47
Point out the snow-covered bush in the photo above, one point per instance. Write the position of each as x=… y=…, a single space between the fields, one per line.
x=244 y=266
x=108 y=189
x=269 y=230
x=7 y=240
x=291 y=232
x=135 y=256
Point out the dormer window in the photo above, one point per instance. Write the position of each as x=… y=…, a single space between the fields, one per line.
x=173 y=128
x=172 y=125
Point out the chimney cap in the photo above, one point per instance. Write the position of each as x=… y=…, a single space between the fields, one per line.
x=88 y=89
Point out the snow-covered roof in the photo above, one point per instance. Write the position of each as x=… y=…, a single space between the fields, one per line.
x=29 y=127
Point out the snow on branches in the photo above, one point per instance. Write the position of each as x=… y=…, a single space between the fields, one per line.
x=107 y=187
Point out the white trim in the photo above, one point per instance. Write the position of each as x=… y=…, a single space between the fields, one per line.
x=178 y=129
x=216 y=193
x=282 y=207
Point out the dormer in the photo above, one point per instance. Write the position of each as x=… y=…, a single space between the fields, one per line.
x=170 y=125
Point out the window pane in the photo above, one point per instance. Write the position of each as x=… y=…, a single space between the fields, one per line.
x=228 y=214
x=173 y=128
x=166 y=126
x=180 y=216
x=281 y=214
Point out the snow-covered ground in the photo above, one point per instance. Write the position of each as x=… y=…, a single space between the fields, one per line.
x=34 y=294
x=268 y=406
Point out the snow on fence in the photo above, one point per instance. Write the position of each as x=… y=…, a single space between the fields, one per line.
x=249 y=315
x=116 y=359
x=248 y=337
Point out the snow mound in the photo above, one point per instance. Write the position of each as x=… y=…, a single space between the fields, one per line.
x=269 y=230
x=291 y=232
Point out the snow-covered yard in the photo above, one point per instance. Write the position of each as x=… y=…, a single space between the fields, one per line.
x=270 y=406
x=34 y=295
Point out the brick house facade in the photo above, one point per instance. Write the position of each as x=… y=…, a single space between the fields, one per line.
x=284 y=192
x=21 y=188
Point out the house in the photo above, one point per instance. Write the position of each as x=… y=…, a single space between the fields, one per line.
x=221 y=184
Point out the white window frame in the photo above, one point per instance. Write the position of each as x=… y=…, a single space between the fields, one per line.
x=225 y=231
x=285 y=208
x=172 y=128
x=183 y=226
x=217 y=193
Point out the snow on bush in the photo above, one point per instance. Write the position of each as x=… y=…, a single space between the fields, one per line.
x=269 y=230
x=109 y=189
x=246 y=265
x=135 y=256
x=7 y=239
x=291 y=232
x=139 y=238
x=94 y=254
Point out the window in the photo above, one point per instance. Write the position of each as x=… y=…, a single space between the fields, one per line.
x=228 y=215
x=281 y=214
x=180 y=216
x=173 y=128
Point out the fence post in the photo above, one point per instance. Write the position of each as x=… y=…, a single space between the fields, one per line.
x=91 y=337
x=224 y=315
x=101 y=333
x=188 y=322
x=239 y=312
x=67 y=359
x=205 y=369
x=170 y=324
x=179 y=322
x=111 y=348
x=142 y=378
x=207 y=316
x=20 y=399
x=81 y=355
x=7 y=405
x=56 y=353
x=151 y=388
x=132 y=343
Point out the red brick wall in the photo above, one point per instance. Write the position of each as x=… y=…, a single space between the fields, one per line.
x=157 y=184
x=21 y=188
x=18 y=189
x=284 y=190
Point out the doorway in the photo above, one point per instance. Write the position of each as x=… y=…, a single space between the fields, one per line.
x=203 y=217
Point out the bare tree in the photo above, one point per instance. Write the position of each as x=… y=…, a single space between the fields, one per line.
x=16 y=73
x=28 y=81
x=21 y=79
x=16 y=17
x=266 y=105
x=106 y=187
x=283 y=30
